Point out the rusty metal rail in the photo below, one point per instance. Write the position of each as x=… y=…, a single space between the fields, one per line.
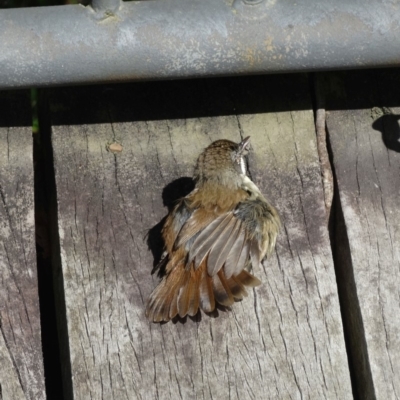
x=113 y=41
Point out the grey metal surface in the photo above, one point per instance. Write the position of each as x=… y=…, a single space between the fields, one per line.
x=167 y=39
x=105 y=6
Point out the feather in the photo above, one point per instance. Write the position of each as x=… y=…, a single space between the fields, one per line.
x=247 y=279
x=255 y=253
x=221 y=290
x=199 y=220
x=194 y=300
x=153 y=305
x=244 y=256
x=184 y=295
x=157 y=307
x=237 y=289
x=234 y=255
x=177 y=219
x=164 y=297
x=173 y=309
x=207 y=300
x=221 y=247
x=206 y=239
x=194 y=297
x=188 y=298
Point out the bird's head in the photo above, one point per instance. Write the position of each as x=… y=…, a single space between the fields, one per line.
x=223 y=162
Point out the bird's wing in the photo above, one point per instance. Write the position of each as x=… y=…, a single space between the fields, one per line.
x=229 y=240
x=220 y=241
x=199 y=220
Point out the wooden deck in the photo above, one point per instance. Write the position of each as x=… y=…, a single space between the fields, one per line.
x=325 y=322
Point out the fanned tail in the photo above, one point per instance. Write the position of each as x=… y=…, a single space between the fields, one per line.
x=163 y=302
x=182 y=292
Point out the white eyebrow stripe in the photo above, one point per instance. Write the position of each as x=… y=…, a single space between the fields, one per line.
x=242 y=165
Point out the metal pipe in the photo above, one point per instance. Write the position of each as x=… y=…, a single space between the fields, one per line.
x=105 y=6
x=169 y=39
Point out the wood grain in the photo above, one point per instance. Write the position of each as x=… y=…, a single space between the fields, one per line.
x=364 y=132
x=21 y=366
x=285 y=340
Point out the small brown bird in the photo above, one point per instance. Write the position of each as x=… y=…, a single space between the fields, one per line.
x=213 y=236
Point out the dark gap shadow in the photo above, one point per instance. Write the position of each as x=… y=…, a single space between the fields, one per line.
x=179 y=99
x=57 y=358
x=196 y=98
x=389 y=127
x=50 y=343
x=10 y=115
x=175 y=190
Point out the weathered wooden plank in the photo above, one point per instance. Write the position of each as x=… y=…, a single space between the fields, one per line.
x=367 y=171
x=21 y=365
x=285 y=340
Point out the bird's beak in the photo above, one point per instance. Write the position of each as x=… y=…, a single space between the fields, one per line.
x=243 y=145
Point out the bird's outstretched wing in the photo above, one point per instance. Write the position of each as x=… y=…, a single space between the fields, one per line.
x=222 y=243
x=229 y=240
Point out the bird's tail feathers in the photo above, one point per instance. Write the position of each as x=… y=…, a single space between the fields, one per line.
x=183 y=291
